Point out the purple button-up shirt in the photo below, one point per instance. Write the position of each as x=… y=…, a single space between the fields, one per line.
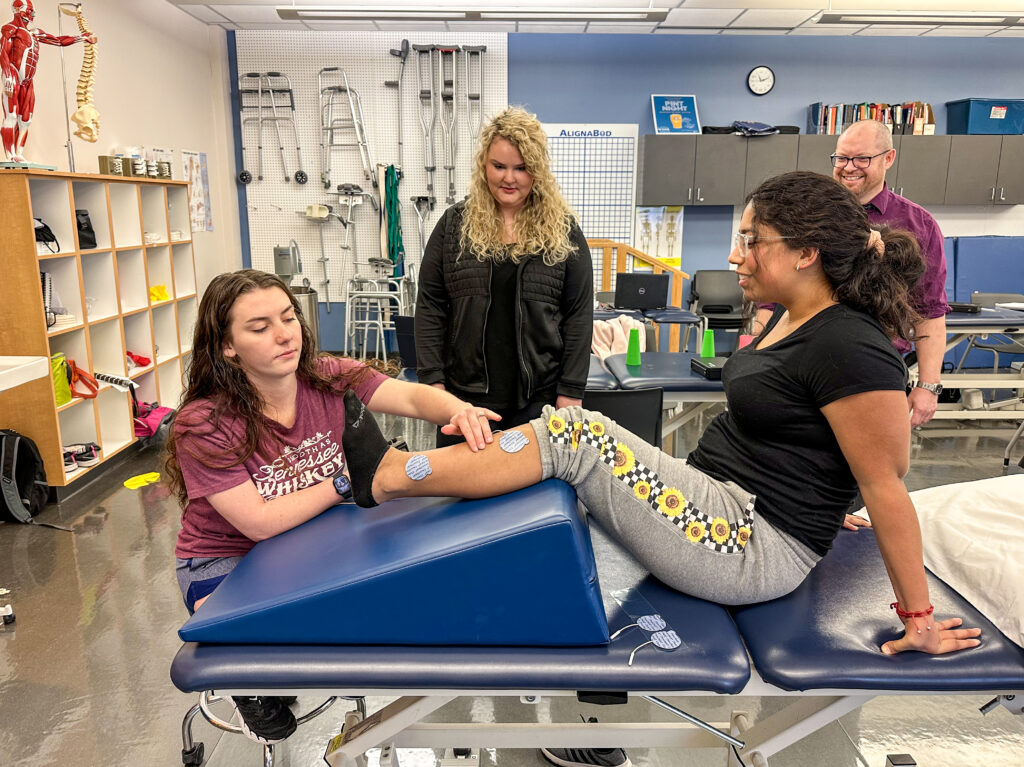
x=900 y=213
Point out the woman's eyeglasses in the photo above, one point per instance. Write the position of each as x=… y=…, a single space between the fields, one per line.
x=744 y=242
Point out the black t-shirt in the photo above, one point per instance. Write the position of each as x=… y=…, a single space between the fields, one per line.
x=774 y=441
x=500 y=342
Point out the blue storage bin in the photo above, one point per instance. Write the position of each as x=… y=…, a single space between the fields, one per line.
x=991 y=116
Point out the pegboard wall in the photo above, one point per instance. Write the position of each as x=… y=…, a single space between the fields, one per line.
x=275 y=207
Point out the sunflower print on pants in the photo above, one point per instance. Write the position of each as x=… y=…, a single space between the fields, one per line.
x=715 y=533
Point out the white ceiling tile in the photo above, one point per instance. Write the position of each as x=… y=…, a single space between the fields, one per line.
x=688 y=31
x=1018 y=32
x=880 y=30
x=249 y=14
x=568 y=28
x=827 y=29
x=295 y=26
x=741 y=31
x=771 y=17
x=951 y=31
x=685 y=17
x=633 y=28
x=203 y=13
x=780 y=4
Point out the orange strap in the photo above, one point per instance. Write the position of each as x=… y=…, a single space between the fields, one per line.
x=79 y=376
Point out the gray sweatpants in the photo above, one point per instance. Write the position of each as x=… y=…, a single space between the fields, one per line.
x=698 y=535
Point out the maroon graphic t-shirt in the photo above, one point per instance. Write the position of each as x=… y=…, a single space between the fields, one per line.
x=307 y=453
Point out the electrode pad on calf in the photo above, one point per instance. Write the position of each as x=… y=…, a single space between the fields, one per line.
x=513 y=441
x=417 y=467
x=654 y=627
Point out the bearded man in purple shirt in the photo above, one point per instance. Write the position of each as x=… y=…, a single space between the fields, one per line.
x=863 y=154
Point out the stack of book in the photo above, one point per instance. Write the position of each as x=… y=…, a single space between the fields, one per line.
x=910 y=117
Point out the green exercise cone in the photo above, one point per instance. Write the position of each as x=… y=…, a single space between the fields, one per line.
x=633 y=350
x=707 y=348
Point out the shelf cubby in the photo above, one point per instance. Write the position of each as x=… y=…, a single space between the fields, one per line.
x=78 y=426
x=145 y=384
x=91 y=196
x=124 y=212
x=184 y=270
x=115 y=416
x=66 y=290
x=187 y=313
x=165 y=333
x=107 y=348
x=169 y=380
x=131 y=280
x=100 y=286
x=51 y=203
x=158 y=267
x=154 y=214
x=138 y=339
x=177 y=213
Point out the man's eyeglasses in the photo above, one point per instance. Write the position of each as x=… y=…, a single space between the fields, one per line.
x=860 y=162
x=744 y=242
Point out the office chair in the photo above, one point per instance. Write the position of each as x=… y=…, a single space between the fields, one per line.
x=638 y=410
x=1004 y=344
x=715 y=295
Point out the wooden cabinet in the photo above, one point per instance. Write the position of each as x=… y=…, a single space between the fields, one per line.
x=665 y=175
x=719 y=168
x=143 y=241
x=1010 y=178
x=814 y=153
x=973 y=169
x=769 y=156
x=920 y=170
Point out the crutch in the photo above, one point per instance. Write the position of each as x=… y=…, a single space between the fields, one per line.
x=425 y=77
x=252 y=88
x=320 y=215
x=402 y=54
x=448 y=87
x=422 y=204
x=474 y=60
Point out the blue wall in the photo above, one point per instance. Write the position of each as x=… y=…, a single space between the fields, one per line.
x=609 y=78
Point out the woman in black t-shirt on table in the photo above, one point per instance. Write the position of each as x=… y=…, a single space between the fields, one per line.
x=816 y=408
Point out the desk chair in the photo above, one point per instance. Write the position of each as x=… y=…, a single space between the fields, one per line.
x=638 y=410
x=715 y=295
x=1005 y=344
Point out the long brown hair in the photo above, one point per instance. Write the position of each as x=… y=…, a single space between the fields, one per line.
x=222 y=382
x=816 y=211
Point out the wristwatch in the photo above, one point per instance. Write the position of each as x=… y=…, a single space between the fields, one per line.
x=343 y=486
x=934 y=388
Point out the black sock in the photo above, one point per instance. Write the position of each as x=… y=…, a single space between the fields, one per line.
x=364 y=448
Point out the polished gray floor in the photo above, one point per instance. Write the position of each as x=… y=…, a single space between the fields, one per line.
x=84 y=670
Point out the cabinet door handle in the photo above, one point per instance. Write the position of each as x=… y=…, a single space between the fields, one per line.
x=699 y=198
x=1002 y=195
x=900 y=192
x=993 y=198
x=689 y=194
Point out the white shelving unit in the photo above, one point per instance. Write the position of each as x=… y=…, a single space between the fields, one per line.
x=107 y=289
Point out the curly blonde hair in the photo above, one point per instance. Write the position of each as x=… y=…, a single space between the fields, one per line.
x=543 y=224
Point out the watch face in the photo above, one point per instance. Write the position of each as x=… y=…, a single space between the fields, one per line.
x=760 y=80
x=343 y=486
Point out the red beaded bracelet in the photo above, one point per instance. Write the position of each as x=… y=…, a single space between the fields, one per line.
x=904 y=614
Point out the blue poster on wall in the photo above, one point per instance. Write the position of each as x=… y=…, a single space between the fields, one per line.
x=675 y=114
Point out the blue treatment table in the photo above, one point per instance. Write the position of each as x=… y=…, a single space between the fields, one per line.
x=686 y=392
x=599 y=379
x=817 y=645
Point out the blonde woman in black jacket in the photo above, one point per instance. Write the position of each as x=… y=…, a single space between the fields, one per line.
x=505 y=306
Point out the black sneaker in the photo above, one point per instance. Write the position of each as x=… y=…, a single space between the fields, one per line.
x=265 y=719
x=587 y=757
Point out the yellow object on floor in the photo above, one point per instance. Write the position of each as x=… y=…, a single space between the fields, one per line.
x=141 y=480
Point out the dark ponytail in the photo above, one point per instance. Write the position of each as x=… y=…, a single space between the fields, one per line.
x=815 y=211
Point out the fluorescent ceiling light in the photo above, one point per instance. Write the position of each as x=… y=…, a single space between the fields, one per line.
x=401 y=13
x=904 y=18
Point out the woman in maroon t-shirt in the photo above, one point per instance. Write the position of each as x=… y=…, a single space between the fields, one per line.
x=256 y=445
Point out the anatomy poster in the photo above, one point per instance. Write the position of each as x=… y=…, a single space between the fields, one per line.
x=195 y=173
